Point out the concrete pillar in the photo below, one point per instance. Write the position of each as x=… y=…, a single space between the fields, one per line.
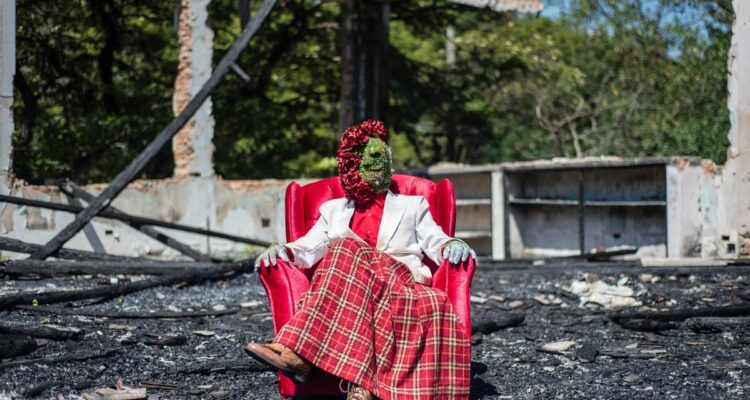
x=7 y=70
x=736 y=190
x=192 y=146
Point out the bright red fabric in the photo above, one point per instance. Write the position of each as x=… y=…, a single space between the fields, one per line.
x=365 y=222
x=367 y=321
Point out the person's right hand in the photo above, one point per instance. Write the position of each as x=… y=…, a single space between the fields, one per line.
x=269 y=256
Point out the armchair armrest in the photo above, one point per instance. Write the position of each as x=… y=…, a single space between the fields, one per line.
x=455 y=281
x=285 y=284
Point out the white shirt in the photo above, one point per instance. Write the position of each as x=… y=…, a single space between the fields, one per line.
x=407 y=232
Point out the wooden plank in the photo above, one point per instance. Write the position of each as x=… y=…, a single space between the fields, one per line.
x=111 y=291
x=74 y=190
x=140 y=162
x=18 y=246
x=88 y=229
x=78 y=267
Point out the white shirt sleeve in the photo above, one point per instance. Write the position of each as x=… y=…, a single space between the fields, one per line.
x=430 y=235
x=312 y=247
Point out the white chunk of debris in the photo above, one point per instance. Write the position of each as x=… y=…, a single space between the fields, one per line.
x=559 y=347
x=478 y=300
x=515 y=304
x=251 y=304
x=204 y=333
x=117 y=394
x=603 y=294
x=219 y=307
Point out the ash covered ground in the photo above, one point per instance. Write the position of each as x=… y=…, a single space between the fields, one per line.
x=206 y=360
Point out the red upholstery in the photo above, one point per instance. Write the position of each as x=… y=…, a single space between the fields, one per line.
x=285 y=284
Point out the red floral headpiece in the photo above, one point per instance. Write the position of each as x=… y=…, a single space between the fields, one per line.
x=354 y=137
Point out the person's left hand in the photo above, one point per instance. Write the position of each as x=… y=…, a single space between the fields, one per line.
x=456 y=250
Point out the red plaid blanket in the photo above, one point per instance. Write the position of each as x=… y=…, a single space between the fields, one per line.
x=366 y=321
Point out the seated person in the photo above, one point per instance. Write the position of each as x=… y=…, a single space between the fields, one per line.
x=370 y=316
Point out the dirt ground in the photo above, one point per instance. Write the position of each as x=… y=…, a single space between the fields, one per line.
x=205 y=358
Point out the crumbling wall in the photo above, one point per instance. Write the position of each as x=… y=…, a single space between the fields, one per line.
x=736 y=186
x=7 y=70
x=249 y=208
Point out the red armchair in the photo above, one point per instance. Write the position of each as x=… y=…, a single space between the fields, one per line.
x=285 y=284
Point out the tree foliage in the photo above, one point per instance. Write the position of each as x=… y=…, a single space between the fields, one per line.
x=604 y=77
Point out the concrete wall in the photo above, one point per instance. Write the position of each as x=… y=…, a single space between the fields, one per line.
x=7 y=70
x=735 y=190
x=250 y=208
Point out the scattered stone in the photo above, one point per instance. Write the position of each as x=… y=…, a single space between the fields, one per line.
x=592 y=291
x=497 y=298
x=630 y=377
x=204 y=333
x=14 y=345
x=515 y=304
x=219 y=307
x=478 y=300
x=587 y=353
x=251 y=304
x=542 y=300
x=558 y=347
x=476 y=338
x=219 y=394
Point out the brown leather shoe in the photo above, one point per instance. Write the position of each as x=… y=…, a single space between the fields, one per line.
x=278 y=356
x=357 y=392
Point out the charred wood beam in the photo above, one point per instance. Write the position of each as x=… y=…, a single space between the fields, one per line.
x=140 y=162
x=76 y=191
x=130 y=218
x=74 y=356
x=15 y=345
x=112 y=291
x=39 y=389
x=494 y=325
x=715 y=325
x=681 y=315
x=223 y=366
x=53 y=332
x=125 y=314
x=75 y=267
x=18 y=246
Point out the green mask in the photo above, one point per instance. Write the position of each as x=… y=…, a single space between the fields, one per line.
x=376 y=164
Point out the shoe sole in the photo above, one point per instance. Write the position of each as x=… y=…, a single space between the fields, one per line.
x=291 y=374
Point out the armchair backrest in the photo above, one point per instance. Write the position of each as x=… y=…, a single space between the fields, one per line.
x=303 y=202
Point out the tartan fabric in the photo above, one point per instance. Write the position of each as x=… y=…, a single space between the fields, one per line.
x=366 y=321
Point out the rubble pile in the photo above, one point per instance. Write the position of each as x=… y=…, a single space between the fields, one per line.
x=538 y=334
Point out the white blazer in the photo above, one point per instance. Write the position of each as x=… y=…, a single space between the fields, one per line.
x=407 y=230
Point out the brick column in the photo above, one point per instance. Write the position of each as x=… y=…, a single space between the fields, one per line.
x=192 y=146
